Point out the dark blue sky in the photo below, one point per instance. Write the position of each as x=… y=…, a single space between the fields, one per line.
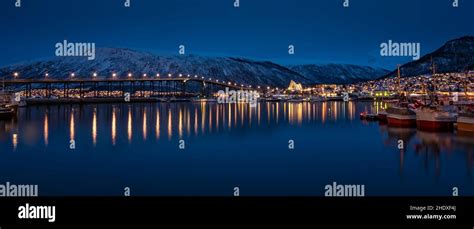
x=321 y=30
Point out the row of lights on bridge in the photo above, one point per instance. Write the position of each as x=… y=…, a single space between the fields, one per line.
x=114 y=75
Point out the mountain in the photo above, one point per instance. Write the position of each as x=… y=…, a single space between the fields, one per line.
x=240 y=70
x=338 y=73
x=454 y=56
x=123 y=61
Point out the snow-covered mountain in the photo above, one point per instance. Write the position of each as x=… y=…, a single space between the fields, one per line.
x=455 y=56
x=240 y=70
x=338 y=73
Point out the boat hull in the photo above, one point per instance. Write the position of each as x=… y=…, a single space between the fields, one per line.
x=434 y=125
x=435 y=120
x=5 y=115
x=396 y=120
x=465 y=124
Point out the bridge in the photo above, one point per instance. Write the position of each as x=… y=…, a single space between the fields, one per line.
x=114 y=87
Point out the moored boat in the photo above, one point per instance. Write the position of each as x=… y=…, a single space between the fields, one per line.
x=465 y=122
x=7 y=113
x=382 y=115
x=435 y=119
x=401 y=116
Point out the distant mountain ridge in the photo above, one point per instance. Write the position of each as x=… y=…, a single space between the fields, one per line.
x=338 y=73
x=454 y=56
x=240 y=70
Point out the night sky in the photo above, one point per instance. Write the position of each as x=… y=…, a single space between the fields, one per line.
x=322 y=31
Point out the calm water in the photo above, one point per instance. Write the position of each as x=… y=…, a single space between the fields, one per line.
x=226 y=146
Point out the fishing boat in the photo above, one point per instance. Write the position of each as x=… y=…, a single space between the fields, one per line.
x=465 y=122
x=382 y=115
x=435 y=118
x=7 y=113
x=401 y=114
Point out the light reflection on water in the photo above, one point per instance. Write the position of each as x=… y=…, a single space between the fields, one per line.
x=332 y=144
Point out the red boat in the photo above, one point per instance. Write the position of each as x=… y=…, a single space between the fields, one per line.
x=435 y=119
x=401 y=116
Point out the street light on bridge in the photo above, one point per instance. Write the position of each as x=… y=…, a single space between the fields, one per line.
x=94 y=75
x=114 y=75
x=46 y=75
x=157 y=75
x=169 y=75
x=129 y=75
x=144 y=75
x=15 y=74
x=73 y=75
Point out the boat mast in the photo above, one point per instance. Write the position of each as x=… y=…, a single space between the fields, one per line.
x=398 y=78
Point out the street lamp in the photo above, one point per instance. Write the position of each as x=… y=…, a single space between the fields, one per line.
x=95 y=74
x=157 y=75
x=130 y=75
x=73 y=75
x=169 y=74
x=15 y=74
x=144 y=75
x=114 y=75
